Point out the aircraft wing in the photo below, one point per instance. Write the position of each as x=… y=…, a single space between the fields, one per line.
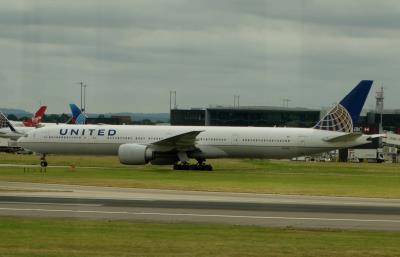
x=343 y=138
x=182 y=141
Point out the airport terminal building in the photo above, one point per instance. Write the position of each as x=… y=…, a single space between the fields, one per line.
x=267 y=116
x=255 y=116
x=390 y=121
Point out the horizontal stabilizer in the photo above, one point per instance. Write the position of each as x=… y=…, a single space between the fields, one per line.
x=343 y=138
x=377 y=136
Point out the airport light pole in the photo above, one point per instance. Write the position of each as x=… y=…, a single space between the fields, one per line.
x=175 y=100
x=286 y=102
x=236 y=101
x=83 y=96
x=171 y=94
x=81 y=84
x=379 y=108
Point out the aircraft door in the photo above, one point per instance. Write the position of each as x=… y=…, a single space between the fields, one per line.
x=235 y=139
x=301 y=144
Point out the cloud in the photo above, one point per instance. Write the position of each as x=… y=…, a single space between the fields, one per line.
x=132 y=53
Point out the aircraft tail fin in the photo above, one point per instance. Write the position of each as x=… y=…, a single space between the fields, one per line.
x=40 y=112
x=5 y=123
x=345 y=115
x=77 y=116
x=35 y=120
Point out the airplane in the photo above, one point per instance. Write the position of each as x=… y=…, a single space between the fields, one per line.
x=176 y=145
x=9 y=131
x=14 y=130
x=34 y=121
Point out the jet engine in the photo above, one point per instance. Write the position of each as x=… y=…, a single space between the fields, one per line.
x=134 y=154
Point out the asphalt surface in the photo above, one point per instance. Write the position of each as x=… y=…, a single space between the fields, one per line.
x=54 y=200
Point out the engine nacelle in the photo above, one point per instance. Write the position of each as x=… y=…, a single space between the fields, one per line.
x=165 y=158
x=134 y=154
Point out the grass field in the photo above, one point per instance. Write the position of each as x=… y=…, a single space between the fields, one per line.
x=69 y=237
x=48 y=237
x=258 y=176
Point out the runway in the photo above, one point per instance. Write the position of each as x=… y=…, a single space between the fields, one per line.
x=54 y=200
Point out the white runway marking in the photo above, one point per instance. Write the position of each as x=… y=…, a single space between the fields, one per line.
x=200 y=215
x=66 y=204
x=63 y=210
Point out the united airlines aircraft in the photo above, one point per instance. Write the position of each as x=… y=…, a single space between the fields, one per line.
x=176 y=145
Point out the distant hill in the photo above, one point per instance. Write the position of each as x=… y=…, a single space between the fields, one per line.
x=17 y=112
x=163 y=117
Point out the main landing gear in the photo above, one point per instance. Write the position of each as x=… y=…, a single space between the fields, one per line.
x=43 y=162
x=199 y=166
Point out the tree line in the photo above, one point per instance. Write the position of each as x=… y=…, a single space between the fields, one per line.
x=65 y=118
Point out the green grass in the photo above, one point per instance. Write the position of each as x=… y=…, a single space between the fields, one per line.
x=257 y=176
x=68 y=237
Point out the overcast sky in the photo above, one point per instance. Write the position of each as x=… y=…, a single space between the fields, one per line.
x=131 y=53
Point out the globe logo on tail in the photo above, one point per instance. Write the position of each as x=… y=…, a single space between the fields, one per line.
x=345 y=115
x=3 y=121
x=338 y=119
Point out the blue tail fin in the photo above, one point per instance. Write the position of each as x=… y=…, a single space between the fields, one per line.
x=77 y=116
x=345 y=115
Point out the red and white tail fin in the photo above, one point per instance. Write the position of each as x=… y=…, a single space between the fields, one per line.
x=35 y=120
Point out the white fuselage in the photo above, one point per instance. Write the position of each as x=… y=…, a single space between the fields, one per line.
x=20 y=130
x=19 y=124
x=212 y=142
